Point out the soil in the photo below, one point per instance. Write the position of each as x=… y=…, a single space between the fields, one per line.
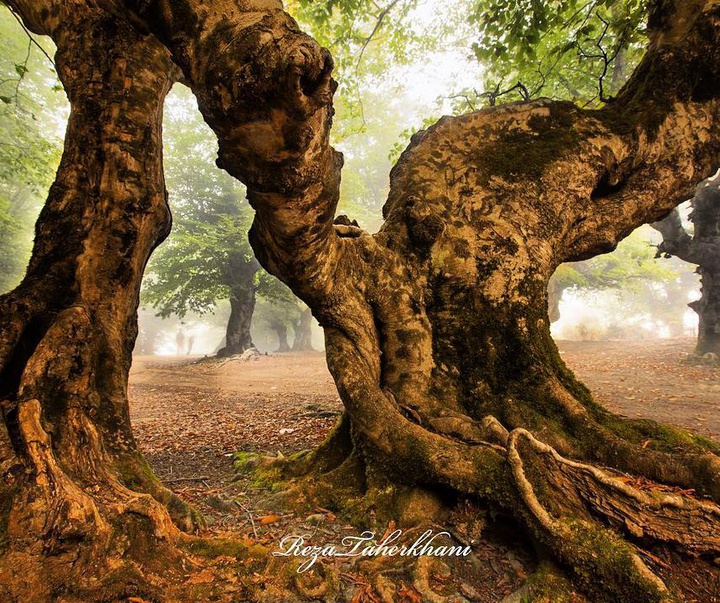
x=191 y=415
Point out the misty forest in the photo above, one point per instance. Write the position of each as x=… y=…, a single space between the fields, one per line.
x=363 y=301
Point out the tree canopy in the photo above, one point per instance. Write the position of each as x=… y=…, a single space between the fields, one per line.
x=190 y=272
x=31 y=144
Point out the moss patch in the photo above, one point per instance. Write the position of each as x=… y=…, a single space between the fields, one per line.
x=263 y=472
x=528 y=153
x=224 y=547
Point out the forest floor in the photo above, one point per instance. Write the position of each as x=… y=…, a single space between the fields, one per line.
x=190 y=418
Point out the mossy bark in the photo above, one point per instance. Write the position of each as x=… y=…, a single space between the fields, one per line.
x=78 y=495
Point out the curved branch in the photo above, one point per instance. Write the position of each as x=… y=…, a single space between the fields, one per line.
x=676 y=240
x=265 y=88
x=43 y=17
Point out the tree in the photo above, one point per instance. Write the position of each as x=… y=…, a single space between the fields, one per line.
x=436 y=327
x=701 y=248
x=77 y=487
x=280 y=309
x=208 y=257
x=29 y=150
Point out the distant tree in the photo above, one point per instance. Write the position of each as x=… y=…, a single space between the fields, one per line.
x=207 y=258
x=630 y=267
x=281 y=308
x=29 y=149
x=699 y=246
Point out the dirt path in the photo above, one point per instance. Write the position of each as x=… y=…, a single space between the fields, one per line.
x=189 y=419
x=240 y=406
x=641 y=379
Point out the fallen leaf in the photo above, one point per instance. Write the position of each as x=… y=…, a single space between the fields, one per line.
x=204 y=577
x=267 y=519
x=408 y=594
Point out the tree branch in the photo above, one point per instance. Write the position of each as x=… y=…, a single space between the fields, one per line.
x=676 y=240
x=42 y=17
x=266 y=90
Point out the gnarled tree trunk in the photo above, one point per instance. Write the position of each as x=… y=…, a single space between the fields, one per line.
x=241 y=280
x=280 y=329
x=436 y=328
x=77 y=489
x=702 y=248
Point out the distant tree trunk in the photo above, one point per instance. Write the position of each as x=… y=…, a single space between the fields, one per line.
x=242 y=305
x=436 y=328
x=702 y=248
x=303 y=332
x=78 y=489
x=555 y=292
x=280 y=329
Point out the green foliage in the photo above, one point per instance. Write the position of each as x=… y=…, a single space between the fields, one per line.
x=30 y=146
x=634 y=287
x=570 y=49
x=631 y=265
x=277 y=303
x=368 y=41
x=190 y=272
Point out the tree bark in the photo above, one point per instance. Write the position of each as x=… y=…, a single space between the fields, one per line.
x=280 y=329
x=436 y=328
x=303 y=332
x=78 y=488
x=702 y=248
x=555 y=293
x=241 y=279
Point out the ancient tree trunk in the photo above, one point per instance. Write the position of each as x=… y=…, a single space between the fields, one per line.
x=702 y=248
x=303 y=332
x=436 y=328
x=241 y=280
x=77 y=485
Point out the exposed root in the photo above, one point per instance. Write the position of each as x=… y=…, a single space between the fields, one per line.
x=692 y=462
x=548 y=584
x=575 y=534
x=684 y=521
x=60 y=511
